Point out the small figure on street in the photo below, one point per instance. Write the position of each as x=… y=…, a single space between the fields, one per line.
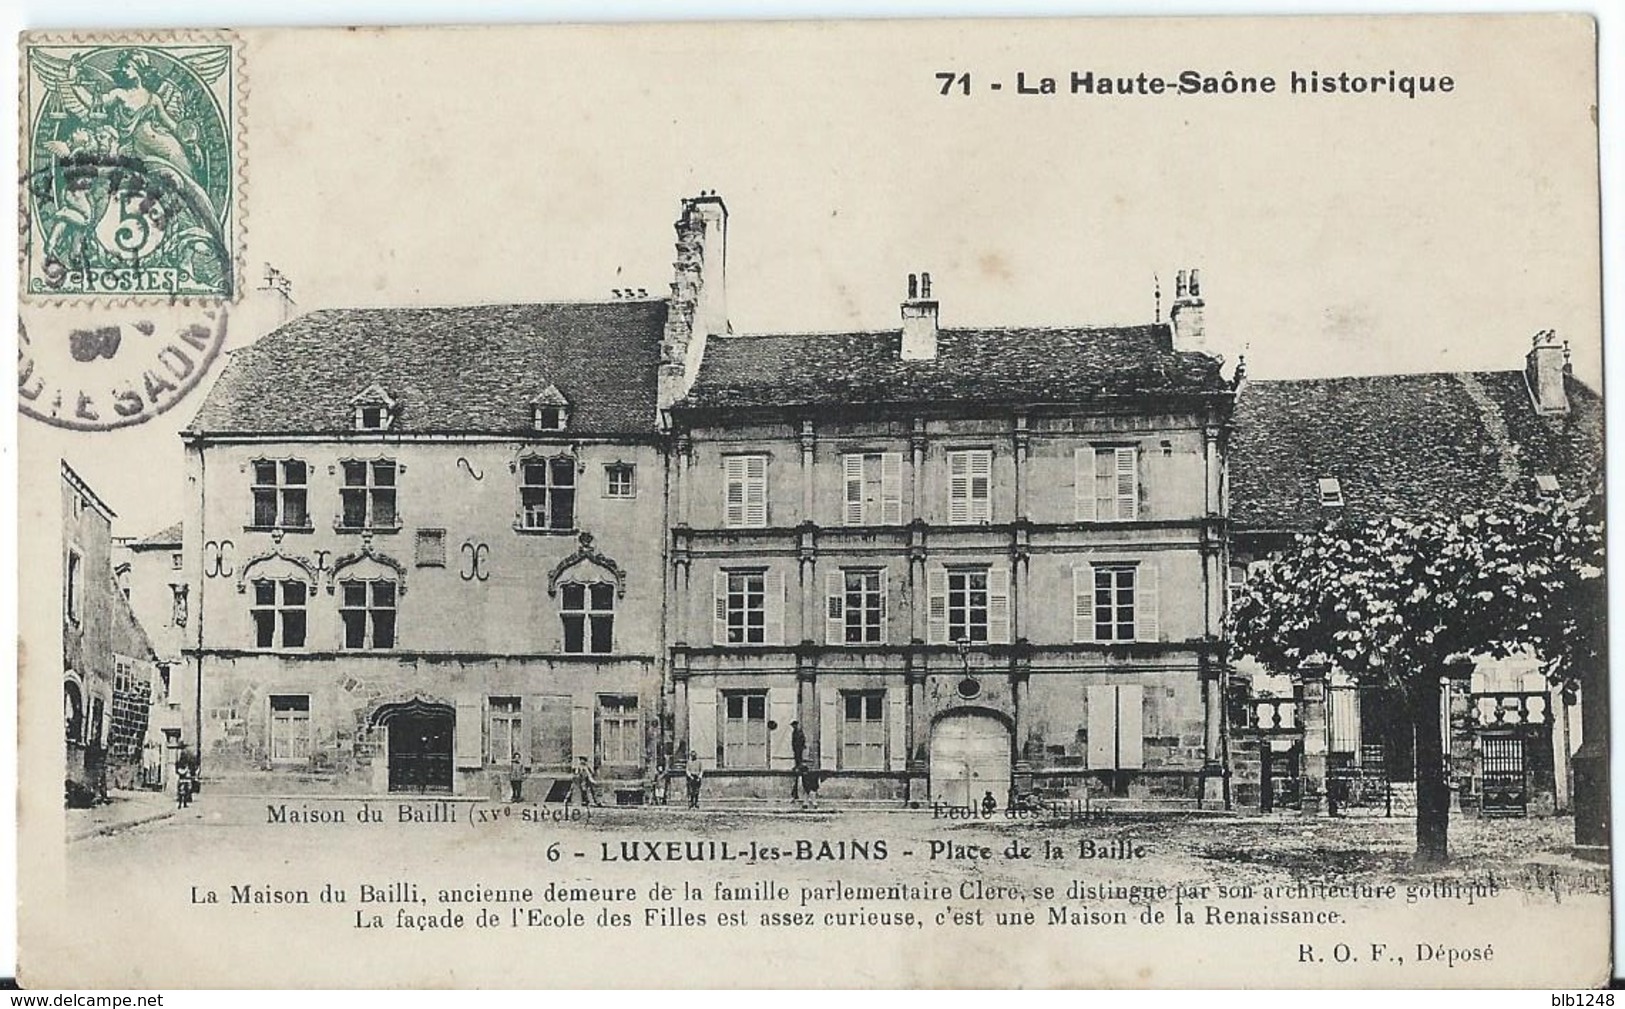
x=989 y=804
x=183 y=785
x=809 y=785
x=582 y=781
x=694 y=774
x=516 y=776
x=798 y=750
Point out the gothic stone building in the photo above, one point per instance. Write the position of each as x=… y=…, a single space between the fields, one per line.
x=422 y=540
x=957 y=557
x=1311 y=452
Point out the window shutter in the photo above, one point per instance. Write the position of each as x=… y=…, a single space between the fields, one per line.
x=520 y=732
x=829 y=728
x=835 y=608
x=936 y=590
x=702 y=724
x=781 y=709
x=773 y=603
x=897 y=748
x=958 y=488
x=1130 y=726
x=1128 y=491
x=1102 y=727
x=891 y=488
x=470 y=734
x=998 y=606
x=1146 y=626
x=1083 y=484
x=756 y=490
x=981 y=486
x=852 y=464
x=885 y=606
x=719 y=616
x=581 y=726
x=1083 y=602
x=734 y=469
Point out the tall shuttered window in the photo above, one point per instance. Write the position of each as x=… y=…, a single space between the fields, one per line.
x=970 y=486
x=745 y=489
x=874 y=488
x=1107 y=483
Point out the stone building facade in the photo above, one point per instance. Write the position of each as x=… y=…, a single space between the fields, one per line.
x=1314 y=452
x=960 y=561
x=445 y=550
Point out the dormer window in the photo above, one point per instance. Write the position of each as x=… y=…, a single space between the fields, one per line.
x=1331 y=492
x=550 y=411
x=374 y=409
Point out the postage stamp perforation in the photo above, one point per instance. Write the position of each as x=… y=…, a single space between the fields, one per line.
x=159 y=179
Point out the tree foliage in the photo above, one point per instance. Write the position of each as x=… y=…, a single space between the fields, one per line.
x=1393 y=601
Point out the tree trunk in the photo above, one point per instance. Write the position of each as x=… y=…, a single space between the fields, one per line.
x=1432 y=783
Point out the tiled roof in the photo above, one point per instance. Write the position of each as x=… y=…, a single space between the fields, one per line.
x=170 y=536
x=1402 y=444
x=474 y=369
x=980 y=365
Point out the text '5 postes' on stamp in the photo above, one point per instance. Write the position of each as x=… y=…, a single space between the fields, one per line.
x=130 y=220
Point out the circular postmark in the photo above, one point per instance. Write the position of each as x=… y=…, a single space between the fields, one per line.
x=99 y=370
x=128 y=186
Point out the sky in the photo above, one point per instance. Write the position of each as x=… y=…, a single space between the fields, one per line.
x=1335 y=234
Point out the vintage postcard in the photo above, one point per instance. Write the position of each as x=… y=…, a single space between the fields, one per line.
x=875 y=504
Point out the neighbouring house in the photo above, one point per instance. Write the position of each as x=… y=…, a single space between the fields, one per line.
x=152 y=573
x=1315 y=451
x=968 y=560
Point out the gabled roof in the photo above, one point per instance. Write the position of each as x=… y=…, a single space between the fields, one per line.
x=1012 y=365
x=169 y=536
x=473 y=369
x=1443 y=443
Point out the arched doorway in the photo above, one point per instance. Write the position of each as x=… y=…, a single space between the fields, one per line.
x=420 y=740
x=970 y=756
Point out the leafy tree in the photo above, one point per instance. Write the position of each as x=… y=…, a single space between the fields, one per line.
x=1401 y=602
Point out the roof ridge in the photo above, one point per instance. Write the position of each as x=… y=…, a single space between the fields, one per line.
x=1304 y=380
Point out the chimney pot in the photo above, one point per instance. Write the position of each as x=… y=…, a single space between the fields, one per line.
x=925 y=285
x=913 y=287
x=1546 y=369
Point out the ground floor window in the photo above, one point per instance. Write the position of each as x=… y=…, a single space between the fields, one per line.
x=744 y=729
x=620 y=736
x=863 y=730
x=290 y=727
x=506 y=728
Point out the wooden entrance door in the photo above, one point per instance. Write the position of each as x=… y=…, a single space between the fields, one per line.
x=970 y=756
x=420 y=740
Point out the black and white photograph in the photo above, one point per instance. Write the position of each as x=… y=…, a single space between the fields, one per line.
x=862 y=504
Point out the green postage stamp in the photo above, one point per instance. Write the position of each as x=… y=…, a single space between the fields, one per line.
x=130 y=181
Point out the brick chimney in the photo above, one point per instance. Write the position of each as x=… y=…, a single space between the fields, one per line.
x=1546 y=369
x=1186 y=312
x=699 y=307
x=919 y=320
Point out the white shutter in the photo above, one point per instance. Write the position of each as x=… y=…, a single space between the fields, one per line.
x=891 y=488
x=1127 y=486
x=958 y=488
x=702 y=724
x=781 y=709
x=885 y=605
x=719 y=608
x=773 y=605
x=1083 y=602
x=897 y=748
x=470 y=733
x=852 y=466
x=581 y=729
x=829 y=727
x=756 y=490
x=734 y=478
x=834 y=608
x=1102 y=727
x=1130 y=726
x=998 y=605
x=936 y=591
x=1146 y=625
x=981 y=486
x=1083 y=484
